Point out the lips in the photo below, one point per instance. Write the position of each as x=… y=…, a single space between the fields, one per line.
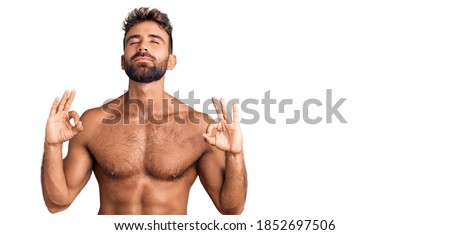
x=142 y=58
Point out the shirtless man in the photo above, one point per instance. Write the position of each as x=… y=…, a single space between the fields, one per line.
x=147 y=156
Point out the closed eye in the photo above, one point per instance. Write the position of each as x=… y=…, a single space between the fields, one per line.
x=133 y=39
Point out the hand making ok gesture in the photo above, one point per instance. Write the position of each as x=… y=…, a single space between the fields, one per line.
x=59 y=128
x=226 y=134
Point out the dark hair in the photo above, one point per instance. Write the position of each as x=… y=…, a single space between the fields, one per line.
x=141 y=14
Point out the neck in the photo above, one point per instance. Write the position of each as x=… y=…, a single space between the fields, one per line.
x=143 y=99
x=146 y=91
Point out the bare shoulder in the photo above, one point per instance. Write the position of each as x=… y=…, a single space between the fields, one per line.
x=98 y=115
x=92 y=120
x=193 y=122
x=194 y=118
x=93 y=116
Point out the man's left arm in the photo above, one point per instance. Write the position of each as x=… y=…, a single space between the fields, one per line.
x=222 y=168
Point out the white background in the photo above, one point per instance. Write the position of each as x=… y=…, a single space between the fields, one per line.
x=384 y=172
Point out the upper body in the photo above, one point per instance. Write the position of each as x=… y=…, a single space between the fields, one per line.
x=146 y=148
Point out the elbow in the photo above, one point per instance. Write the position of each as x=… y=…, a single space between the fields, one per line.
x=232 y=206
x=54 y=206
x=232 y=211
x=56 y=209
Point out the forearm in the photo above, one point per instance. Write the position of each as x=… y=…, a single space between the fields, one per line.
x=234 y=190
x=54 y=186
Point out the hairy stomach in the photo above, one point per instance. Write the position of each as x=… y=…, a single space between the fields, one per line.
x=143 y=194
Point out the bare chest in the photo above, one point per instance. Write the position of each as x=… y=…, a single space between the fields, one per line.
x=161 y=151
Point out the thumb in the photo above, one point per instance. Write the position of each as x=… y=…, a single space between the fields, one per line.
x=78 y=127
x=209 y=139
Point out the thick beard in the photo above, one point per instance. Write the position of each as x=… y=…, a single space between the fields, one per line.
x=140 y=72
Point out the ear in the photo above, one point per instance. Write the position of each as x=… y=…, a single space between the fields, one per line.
x=171 y=62
x=122 y=62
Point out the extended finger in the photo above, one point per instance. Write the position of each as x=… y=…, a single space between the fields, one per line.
x=54 y=106
x=63 y=101
x=218 y=108
x=235 y=113
x=224 y=110
x=69 y=101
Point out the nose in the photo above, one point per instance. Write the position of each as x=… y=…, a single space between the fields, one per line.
x=142 y=48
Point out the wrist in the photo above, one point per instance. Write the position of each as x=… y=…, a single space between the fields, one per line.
x=239 y=154
x=48 y=145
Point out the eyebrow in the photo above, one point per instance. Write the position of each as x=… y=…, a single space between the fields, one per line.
x=155 y=36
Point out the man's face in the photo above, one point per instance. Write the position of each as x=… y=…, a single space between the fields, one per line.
x=146 y=55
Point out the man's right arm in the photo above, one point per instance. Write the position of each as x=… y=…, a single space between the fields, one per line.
x=62 y=179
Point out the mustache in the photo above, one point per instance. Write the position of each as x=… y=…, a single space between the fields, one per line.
x=143 y=54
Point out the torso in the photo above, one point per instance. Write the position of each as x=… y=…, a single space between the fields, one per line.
x=146 y=168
